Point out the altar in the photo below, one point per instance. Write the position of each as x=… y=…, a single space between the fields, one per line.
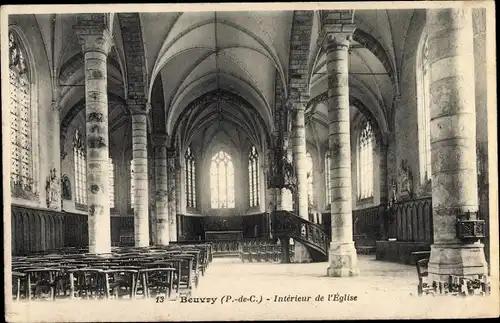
x=223 y=235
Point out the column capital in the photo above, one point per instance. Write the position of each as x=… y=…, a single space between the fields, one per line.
x=138 y=106
x=56 y=106
x=93 y=40
x=160 y=139
x=336 y=35
x=171 y=152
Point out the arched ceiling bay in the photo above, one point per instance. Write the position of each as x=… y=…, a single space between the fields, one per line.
x=198 y=52
x=216 y=108
x=375 y=56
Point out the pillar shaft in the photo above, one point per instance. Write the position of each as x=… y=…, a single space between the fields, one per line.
x=174 y=178
x=342 y=255
x=141 y=186
x=96 y=47
x=383 y=172
x=299 y=159
x=55 y=199
x=453 y=141
x=162 y=190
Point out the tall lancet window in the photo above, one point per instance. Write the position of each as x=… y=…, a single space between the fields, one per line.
x=20 y=117
x=190 y=179
x=310 y=179
x=365 y=162
x=424 y=130
x=222 y=181
x=328 y=162
x=132 y=184
x=80 y=163
x=111 y=176
x=253 y=177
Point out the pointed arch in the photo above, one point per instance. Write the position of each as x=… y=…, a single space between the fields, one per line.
x=423 y=107
x=222 y=181
x=365 y=162
x=253 y=177
x=190 y=168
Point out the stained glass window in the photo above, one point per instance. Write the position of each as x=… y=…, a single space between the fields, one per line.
x=20 y=117
x=253 y=177
x=80 y=162
x=424 y=130
x=328 y=161
x=310 y=179
x=190 y=178
x=222 y=181
x=111 y=184
x=365 y=162
x=132 y=184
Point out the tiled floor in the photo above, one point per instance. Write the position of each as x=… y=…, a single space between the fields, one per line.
x=382 y=290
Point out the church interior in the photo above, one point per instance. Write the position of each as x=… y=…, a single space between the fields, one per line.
x=147 y=149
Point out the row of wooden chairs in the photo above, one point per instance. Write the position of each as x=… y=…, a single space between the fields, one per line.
x=454 y=286
x=259 y=251
x=125 y=272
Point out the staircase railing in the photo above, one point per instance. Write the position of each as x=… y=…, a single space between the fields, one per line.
x=285 y=223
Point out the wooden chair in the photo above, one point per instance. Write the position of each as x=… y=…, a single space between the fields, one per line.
x=17 y=279
x=88 y=282
x=40 y=280
x=422 y=272
x=154 y=281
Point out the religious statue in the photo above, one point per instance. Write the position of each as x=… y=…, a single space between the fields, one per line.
x=405 y=180
x=66 y=187
x=52 y=189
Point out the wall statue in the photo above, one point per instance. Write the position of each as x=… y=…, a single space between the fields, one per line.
x=405 y=180
x=66 y=187
x=52 y=189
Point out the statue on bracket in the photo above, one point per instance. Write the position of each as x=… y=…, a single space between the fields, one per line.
x=66 y=187
x=405 y=181
x=52 y=189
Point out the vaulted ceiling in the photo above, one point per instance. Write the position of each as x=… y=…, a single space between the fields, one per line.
x=183 y=59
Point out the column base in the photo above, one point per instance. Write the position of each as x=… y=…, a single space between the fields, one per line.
x=456 y=260
x=343 y=260
x=301 y=253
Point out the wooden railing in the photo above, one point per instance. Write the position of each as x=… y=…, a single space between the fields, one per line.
x=287 y=224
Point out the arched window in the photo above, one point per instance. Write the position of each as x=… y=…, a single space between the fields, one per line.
x=190 y=179
x=111 y=176
x=253 y=177
x=424 y=130
x=80 y=161
x=310 y=179
x=328 y=161
x=222 y=181
x=132 y=184
x=20 y=118
x=365 y=162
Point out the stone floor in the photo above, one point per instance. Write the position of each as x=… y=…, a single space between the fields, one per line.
x=232 y=290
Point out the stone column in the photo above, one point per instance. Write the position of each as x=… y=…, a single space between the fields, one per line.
x=453 y=143
x=342 y=255
x=96 y=46
x=384 y=185
x=55 y=197
x=272 y=203
x=298 y=142
x=299 y=158
x=174 y=197
x=140 y=111
x=162 y=189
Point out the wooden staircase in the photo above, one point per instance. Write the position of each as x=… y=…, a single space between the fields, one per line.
x=285 y=224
